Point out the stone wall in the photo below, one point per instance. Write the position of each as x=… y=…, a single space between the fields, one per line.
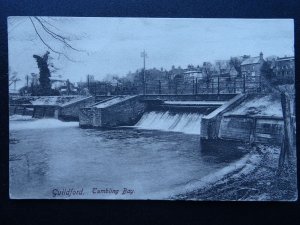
x=269 y=130
x=123 y=113
x=48 y=111
x=252 y=129
x=86 y=117
x=235 y=128
x=67 y=111
x=21 y=110
x=71 y=111
x=210 y=123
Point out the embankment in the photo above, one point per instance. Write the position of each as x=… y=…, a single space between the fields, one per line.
x=253 y=178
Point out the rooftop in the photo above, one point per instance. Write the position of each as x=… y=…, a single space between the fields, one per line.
x=192 y=71
x=286 y=58
x=251 y=60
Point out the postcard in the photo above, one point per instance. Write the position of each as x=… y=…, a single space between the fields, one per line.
x=152 y=109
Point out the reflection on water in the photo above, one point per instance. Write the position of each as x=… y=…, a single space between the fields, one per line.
x=150 y=162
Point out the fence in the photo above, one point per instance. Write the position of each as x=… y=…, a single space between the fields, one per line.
x=181 y=85
x=216 y=85
x=100 y=88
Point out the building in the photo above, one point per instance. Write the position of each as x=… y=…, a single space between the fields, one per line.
x=223 y=68
x=186 y=82
x=251 y=66
x=193 y=74
x=284 y=67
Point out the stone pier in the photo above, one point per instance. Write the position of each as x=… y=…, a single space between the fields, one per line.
x=112 y=112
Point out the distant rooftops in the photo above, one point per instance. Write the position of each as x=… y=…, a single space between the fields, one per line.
x=251 y=60
x=192 y=71
x=286 y=58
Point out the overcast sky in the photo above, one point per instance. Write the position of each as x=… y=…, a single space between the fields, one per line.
x=113 y=45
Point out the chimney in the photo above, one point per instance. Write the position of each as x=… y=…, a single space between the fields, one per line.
x=261 y=56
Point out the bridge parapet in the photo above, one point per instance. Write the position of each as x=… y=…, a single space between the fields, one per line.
x=195 y=97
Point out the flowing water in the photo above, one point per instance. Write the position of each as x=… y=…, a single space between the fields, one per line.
x=123 y=163
x=188 y=123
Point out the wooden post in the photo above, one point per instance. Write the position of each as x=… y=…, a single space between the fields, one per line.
x=287 y=150
x=193 y=85
x=234 y=85
x=88 y=82
x=44 y=111
x=169 y=85
x=33 y=112
x=244 y=83
x=253 y=131
x=260 y=85
x=144 y=56
x=159 y=87
x=68 y=87
x=218 y=84
x=196 y=86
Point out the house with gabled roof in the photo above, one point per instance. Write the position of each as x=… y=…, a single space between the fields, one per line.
x=251 y=66
x=224 y=69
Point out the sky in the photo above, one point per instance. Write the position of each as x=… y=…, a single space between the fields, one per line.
x=114 y=45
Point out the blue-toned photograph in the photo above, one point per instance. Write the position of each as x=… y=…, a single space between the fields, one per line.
x=152 y=109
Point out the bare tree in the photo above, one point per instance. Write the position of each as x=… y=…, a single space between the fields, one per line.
x=14 y=79
x=47 y=30
x=207 y=69
x=236 y=63
x=44 y=28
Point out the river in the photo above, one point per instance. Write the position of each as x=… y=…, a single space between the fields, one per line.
x=54 y=159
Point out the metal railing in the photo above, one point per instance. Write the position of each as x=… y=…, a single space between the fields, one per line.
x=214 y=85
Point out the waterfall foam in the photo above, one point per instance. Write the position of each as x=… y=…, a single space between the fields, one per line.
x=180 y=122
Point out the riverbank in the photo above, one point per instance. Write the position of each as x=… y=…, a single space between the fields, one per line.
x=239 y=173
x=255 y=181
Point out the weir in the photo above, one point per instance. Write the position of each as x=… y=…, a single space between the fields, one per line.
x=61 y=107
x=185 y=122
x=209 y=116
x=212 y=116
x=180 y=113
